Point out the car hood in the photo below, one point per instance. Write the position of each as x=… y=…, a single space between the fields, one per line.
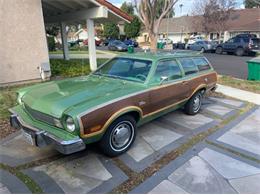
x=56 y=97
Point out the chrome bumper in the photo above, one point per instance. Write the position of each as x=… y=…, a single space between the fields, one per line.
x=42 y=138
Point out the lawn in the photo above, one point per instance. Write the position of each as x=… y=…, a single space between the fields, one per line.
x=253 y=86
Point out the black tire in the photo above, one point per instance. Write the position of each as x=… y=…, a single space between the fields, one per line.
x=190 y=108
x=219 y=50
x=239 y=51
x=107 y=143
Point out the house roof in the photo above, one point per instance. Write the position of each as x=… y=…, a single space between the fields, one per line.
x=240 y=20
x=75 y=10
x=115 y=9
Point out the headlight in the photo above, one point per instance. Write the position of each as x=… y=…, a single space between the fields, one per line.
x=70 y=124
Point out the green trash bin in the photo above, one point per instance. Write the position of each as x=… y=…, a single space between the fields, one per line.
x=160 y=45
x=254 y=69
x=130 y=49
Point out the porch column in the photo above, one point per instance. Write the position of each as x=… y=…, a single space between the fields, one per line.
x=91 y=45
x=65 y=46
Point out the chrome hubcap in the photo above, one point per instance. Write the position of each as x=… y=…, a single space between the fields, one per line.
x=196 y=104
x=122 y=135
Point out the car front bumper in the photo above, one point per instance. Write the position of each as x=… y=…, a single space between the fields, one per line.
x=41 y=138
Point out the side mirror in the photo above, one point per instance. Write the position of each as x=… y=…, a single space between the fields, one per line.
x=163 y=78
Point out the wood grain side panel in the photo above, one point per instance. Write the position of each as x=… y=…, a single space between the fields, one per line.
x=100 y=116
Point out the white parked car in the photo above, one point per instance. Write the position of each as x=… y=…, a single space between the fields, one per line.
x=194 y=39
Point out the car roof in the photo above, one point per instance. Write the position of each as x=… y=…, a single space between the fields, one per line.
x=161 y=55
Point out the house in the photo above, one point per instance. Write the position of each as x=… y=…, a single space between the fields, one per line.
x=240 y=21
x=24 y=53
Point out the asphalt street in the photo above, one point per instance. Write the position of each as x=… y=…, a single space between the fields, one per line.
x=229 y=64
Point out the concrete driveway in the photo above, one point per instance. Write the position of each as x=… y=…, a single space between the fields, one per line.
x=216 y=151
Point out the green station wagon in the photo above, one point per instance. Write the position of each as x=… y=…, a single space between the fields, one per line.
x=108 y=105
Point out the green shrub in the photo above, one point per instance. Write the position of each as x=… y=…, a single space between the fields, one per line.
x=71 y=68
x=78 y=48
x=51 y=43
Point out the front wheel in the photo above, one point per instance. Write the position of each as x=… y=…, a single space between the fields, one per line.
x=239 y=51
x=219 y=50
x=193 y=106
x=119 y=136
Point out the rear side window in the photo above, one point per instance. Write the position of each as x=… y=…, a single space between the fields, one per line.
x=168 y=68
x=188 y=66
x=201 y=63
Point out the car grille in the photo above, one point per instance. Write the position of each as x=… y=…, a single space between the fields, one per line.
x=40 y=116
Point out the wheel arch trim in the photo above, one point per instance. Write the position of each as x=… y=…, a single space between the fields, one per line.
x=112 y=118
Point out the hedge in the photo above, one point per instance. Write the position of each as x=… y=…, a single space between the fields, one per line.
x=71 y=68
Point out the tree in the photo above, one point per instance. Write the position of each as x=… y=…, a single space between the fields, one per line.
x=251 y=3
x=146 y=10
x=111 y=30
x=132 y=29
x=52 y=30
x=214 y=14
x=160 y=9
x=127 y=8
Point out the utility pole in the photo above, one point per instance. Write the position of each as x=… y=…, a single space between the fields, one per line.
x=181 y=5
x=167 y=31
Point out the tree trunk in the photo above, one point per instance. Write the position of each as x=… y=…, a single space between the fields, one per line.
x=219 y=38
x=153 y=39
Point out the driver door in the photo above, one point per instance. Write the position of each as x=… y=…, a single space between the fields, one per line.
x=169 y=91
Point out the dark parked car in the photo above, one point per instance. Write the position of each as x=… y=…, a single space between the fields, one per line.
x=131 y=42
x=107 y=41
x=117 y=46
x=178 y=45
x=239 y=45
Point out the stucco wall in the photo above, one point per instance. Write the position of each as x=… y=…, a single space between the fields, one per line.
x=23 y=46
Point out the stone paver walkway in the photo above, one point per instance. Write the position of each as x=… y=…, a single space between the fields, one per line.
x=202 y=169
x=209 y=171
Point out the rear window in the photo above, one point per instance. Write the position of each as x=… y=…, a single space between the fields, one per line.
x=188 y=66
x=201 y=63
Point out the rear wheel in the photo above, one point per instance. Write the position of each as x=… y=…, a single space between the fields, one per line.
x=193 y=106
x=119 y=136
x=219 y=50
x=239 y=51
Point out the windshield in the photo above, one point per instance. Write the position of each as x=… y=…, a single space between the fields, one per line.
x=126 y=69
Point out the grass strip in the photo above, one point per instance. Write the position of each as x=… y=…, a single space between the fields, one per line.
x=136 y=179
x=31 y=184
x=253 y=86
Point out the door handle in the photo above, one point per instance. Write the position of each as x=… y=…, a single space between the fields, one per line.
x=184 y=82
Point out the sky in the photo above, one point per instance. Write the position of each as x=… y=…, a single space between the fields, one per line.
x=186 y=8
